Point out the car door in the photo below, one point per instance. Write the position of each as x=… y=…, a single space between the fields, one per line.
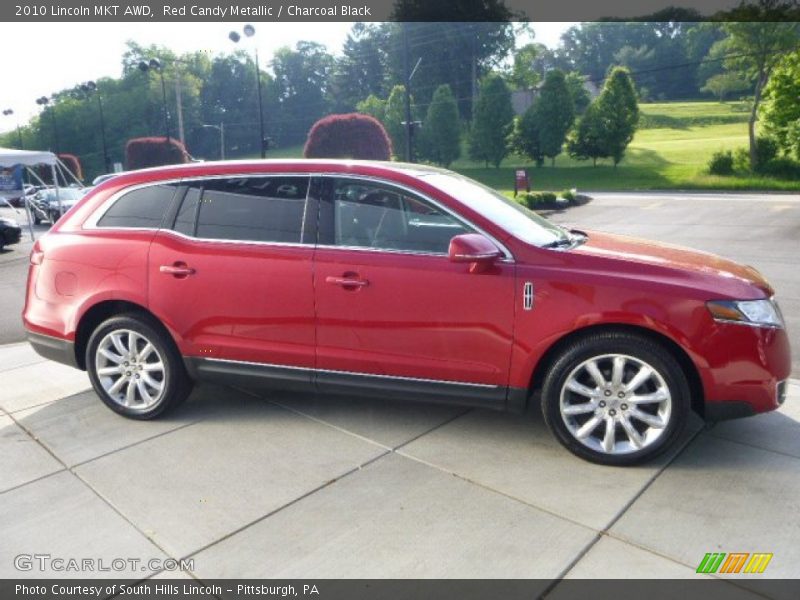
x=393 y=312
x=231 y=276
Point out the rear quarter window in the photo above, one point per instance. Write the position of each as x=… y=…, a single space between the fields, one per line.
x=140 y=208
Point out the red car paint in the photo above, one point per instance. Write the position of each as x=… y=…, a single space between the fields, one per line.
x=416 y=316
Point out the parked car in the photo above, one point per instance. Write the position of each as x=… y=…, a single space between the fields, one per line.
x=50 y=203
x=10 y=232
x=399 y=281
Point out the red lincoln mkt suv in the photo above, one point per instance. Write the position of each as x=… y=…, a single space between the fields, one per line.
x=399 y=281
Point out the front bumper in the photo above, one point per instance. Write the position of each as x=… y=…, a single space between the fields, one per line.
x=52 y=348
x=12 y=235
x=746 y=372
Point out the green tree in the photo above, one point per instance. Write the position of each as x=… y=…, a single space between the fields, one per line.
x=581 y=98
x=456 y=53
x=373 y=106
x=394 y=117
x=618 y=109
x=781 y=109
x=587 y=141
x=441 y=133
x=555 y=113
x=491 y=122
x=361 y=70
x=723 y=84
x=302 y=77
x=759 y=35
x=524 y=138
x=523 y=75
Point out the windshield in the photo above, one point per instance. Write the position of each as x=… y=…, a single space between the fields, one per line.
x=514 y=218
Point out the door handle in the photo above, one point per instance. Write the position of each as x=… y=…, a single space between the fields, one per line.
x=177 y=269
x=347 y=282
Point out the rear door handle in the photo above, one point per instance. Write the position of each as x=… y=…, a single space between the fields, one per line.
x=347 y=282
x=177 y=269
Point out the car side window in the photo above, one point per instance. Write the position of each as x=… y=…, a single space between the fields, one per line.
x=370 y=215
x=258 y=209
x=142 y=207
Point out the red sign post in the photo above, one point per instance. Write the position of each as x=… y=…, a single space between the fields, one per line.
x=521 y=182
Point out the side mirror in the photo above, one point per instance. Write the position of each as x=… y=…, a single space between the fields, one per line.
x=475 y=249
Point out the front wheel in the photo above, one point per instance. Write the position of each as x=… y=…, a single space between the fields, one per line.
x=616 y=398
x=135 y=368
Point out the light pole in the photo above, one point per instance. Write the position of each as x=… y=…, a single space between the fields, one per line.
x=8 y=112
x=155 y=65
x=221 y=129
x=88 y=88
x=44 y=101
x=235 y=37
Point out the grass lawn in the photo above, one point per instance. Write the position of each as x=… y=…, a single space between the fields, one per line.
x=670 y=151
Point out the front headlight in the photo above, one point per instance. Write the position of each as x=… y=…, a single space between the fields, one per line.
x=761 y=313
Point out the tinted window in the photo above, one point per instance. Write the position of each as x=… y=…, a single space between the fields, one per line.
x=262 y=209
x=187 y=214
x=143 y=207
x=376 y=216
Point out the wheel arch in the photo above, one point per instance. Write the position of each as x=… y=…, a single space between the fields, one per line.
x=103 y=310
x=678 y=353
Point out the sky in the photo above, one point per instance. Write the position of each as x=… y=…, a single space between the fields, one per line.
x=54 y=56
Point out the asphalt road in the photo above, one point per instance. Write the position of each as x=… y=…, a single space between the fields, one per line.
x=762 y=230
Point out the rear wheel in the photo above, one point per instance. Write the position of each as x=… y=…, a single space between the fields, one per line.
x=135 y=368
x=616 y=398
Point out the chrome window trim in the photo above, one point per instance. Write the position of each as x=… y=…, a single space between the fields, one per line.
x=355 y=373
x=99 y=213
x=508 y=257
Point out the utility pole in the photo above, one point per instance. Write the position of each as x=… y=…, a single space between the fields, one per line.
x=180 y=104
x=407 y=71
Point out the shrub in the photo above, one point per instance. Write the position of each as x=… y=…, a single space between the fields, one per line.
x=351 y=135
x=569 y=196
x=721 y=163
x=141 y=153
x=782 y=167
x=538 y=200
x=766 y=151
x=741 y=160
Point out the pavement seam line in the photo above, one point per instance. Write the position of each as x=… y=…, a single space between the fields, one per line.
x=621 y=513
x=486 y=487
x=322 y=421
x=133 y=444
x=102 y=498
x=286 y=505
x=40 y=478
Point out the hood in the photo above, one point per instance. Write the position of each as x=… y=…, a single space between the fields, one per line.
x=721 y=274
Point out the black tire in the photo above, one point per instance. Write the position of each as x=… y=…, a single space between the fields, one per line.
x=175 y=382
x=37 y=220
x=634 y=352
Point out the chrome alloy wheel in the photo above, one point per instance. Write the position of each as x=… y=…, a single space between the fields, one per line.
x=615 y=404
x=130 y=369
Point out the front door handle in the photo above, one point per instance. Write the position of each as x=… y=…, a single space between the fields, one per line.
x=347 y=281
x=178 y=269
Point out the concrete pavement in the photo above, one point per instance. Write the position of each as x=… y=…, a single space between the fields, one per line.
x=283 y=485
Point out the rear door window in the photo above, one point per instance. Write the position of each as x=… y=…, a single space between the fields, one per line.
x=257 y=209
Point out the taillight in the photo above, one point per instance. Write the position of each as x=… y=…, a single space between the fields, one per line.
x=37 y=254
